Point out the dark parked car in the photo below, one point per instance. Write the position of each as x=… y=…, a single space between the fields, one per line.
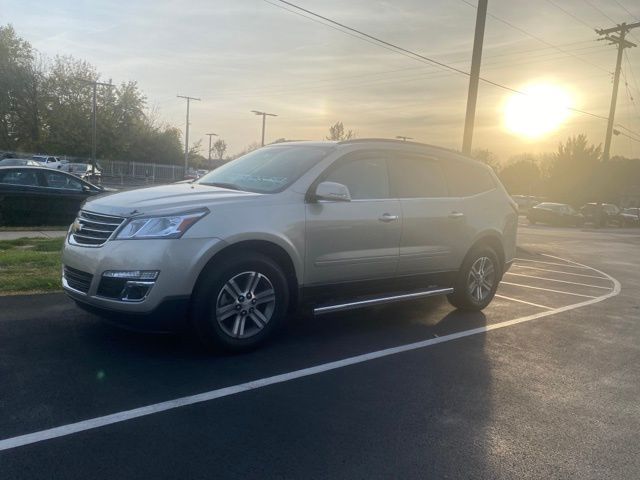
x=630 y=217
x=559 y=214
x=608 y=214
x=19 y=162
x=41 y=196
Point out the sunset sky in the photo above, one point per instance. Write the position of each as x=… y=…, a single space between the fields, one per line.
x=248 y=54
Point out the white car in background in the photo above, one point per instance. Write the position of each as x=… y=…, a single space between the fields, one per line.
x=48 y=161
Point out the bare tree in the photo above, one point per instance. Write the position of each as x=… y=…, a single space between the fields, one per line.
x=220 y=147
x=337 y=132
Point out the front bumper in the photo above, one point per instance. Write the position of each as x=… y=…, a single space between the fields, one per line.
x=179 y=262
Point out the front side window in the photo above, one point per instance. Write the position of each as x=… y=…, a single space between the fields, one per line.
x=366 y=178
x=416 y=177
x=62 y=181
x=267 y=170
x=19 y=177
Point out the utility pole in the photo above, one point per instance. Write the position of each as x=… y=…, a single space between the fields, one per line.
x=94 y=118
x=474 y=77
x=186 y=132
x=210 y=135
x=264 y=115
x=403 y=138
x=620 y=41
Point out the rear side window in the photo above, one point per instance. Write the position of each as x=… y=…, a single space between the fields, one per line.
x=19 y=177
x=416 y=177
x=365 y=177
x=466 y=179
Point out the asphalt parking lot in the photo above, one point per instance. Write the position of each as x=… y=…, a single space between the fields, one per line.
x=543 y=384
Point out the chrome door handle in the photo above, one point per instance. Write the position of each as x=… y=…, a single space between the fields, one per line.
x=387 y=217
x=456 y=215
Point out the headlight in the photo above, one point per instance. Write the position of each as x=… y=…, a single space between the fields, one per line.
x=167 y=226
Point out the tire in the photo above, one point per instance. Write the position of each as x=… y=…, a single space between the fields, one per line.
x=465 y=296
x=228 y=313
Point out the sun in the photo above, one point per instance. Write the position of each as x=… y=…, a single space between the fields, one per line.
x=542 y=109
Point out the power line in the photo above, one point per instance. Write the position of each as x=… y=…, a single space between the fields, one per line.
x=539 y=39
x=575 y=17
x=599 y=10
x=419 y=57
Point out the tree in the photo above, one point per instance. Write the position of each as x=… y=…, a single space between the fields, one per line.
x=573 y=173
x=487 y=157
x=220 y=147
x=337 y=132
x=522 y=175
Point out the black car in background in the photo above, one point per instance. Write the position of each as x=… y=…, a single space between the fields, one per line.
x=602 y=215
x=630 y=217
x=559 y=214
x=41 y=196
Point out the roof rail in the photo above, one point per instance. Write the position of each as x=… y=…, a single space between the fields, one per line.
x=393 y=140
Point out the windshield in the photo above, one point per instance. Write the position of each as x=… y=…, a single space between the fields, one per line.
x=267 y=170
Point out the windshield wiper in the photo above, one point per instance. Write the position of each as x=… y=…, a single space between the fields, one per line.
x=230 y=186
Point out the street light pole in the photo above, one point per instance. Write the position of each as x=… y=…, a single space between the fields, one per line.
x=186 y=131
x=94 y=118
x=211 y=135
x=264 y=115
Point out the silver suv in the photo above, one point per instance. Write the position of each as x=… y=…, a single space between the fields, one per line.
x=333 y=226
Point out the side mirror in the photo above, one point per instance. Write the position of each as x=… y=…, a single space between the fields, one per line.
x=332 y=192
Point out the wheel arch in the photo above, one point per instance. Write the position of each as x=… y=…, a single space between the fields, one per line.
x=266 y=247
x=493 y=240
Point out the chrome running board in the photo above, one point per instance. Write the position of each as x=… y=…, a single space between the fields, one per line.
x=338 y=307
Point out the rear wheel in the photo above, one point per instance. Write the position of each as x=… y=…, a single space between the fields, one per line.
x=240 y=303
x=477 y=280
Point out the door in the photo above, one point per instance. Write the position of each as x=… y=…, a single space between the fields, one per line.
x=355 y=240
x=432 y=222
x=65 y=194
x=20 y=196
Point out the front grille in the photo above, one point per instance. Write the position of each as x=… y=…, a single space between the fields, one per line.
x=77 y=279
x=94 y=229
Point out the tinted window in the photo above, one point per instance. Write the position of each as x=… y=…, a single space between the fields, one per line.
x=266 y=170
x=19 y=177
x=466 y=179
x=60 y=180
x=366 y=178
x=416 y=177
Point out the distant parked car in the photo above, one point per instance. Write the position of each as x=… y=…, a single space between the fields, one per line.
x=48 y=161
x=609 y=215
x=7 y=155
x=191 y=174
x=19 y=162
x=630 y=217
x=41 y=196
x=559 y=214
x=525 y=202
x=83 y=171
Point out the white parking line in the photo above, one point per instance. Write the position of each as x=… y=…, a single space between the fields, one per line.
x=547 y=289
x=97 y=422
x=555 y=280
x=560 y=271
x=549 y=263
x=523 y=301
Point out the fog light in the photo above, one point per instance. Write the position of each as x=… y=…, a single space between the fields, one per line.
x=127 y=285
x=134 y=291
x=132 y=274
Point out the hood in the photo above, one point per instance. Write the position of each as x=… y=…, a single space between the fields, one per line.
x=164 y=198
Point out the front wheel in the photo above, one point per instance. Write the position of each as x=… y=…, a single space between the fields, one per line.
x=477 y=280
x=240 y=303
